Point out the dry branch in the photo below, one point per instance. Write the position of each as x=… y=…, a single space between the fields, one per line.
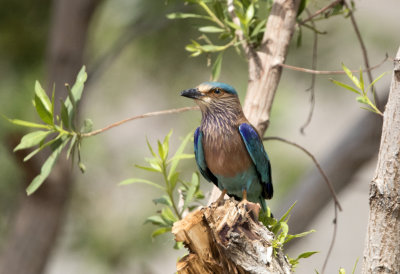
x=382 y=249
x=227 y=239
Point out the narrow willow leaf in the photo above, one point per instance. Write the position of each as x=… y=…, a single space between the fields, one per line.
x=161 y=151
x=64 y=115
x=42 y=96
x=46 y=168
x=180 y=15
x=152 y=169
x=42 y=111
x=41 y=147
x=191 y=191
x=87 y=126
x=216 y=68
x=167 y=215
x=160 y=231
x=140 y=181
x=343 y=85
x=353 y=78
x=250 y=13
x=71 y=145
x=291 y=237
x=260 y=27
x=306 y=254
x=376 y=80
x=166 y=143
x=165 y=200
x=32 y=139
x=156 y=220
x=178 y=152
x=211 y=29
x=150 y=148
x=26 y=123
x=361 y=80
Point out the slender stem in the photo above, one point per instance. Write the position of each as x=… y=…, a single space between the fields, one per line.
x=146 y=115
x=318 y=12
x=335 y=225
x=169 y=190
x=327 y=72
x=212 y=15
x=330 y=186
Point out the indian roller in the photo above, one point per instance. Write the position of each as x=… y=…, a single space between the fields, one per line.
x=228 y=149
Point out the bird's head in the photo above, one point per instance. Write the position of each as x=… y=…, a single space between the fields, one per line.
x=213 y=96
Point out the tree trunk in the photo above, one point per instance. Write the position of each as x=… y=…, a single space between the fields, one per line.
x=228 y=239
x=382 y=249
x=39 y=217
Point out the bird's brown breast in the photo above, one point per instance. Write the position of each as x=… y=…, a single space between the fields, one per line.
x=226 y=155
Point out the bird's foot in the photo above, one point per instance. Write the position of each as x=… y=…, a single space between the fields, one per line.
x=220 y=200
x=252 y=208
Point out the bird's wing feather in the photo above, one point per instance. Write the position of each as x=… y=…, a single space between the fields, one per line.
x=259 y=157
x=200 y=160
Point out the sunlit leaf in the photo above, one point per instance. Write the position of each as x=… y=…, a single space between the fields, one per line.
x=353 y=78
x=140 y=181
x=32 y=139
x=216 y=68
x=152 y=169
x=343 y=85
x=167 y=215
x=43 y=98
x=46 y=167
x=42 y=146
x=26 y=123
x=160 y=231
x=180 y=15
x=41 y=110
x=178 y=152
x=211 y=29
x=376 y=80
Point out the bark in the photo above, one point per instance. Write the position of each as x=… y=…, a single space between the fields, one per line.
x=382 y=249
x=38 y=218
x=227 y=239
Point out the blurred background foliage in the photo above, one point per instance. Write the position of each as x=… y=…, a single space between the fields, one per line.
x=104 y=231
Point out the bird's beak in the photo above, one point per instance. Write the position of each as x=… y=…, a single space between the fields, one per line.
x=192 y=93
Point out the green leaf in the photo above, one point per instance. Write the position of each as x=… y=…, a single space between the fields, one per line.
x=26 y=123
x=376 y=80
x=260 y=27
x=181 y=157
x=249 y=13
x=211 y=29
x=167 y=215
x=191 y=190
x=353 y=78
x=150 y=148
x=361 y=80
x=178 y=245
x=291 y=237
x=32 y=139
x=306 y=254
x=342 y=270
x=43 y=113
x=343 y=85
x=216 y=68
x=64 y=115
x=140 y=181
x=42 y=146
x=166 y=143
x=179 y=151
x=173 y=180
x=180 y=15
x=302 y=6
x=160 y=231
x=71 y=145
x=156 y=220
x=46 y=168
x=362 y=99
x=87 y=126
x=165 y=200
x=75 y=92
x=161 y=151
x=152 y=169
x=43 y=98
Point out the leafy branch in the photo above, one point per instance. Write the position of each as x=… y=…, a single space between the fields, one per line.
x=360 y=89
x=60 y=131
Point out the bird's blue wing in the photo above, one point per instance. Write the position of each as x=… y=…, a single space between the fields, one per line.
x=200 y=160
x=259 y=157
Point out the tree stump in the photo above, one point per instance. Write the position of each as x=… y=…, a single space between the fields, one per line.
x=227 y=239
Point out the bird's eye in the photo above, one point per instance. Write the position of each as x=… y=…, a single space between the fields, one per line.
x=217 y=91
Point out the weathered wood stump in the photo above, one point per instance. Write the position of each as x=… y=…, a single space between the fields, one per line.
x=227 y=239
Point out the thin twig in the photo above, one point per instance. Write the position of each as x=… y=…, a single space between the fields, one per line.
x=330 y=186
x=318 y=12
x=364 y=52
x=327 y=72
x=313 y=78
x=146 y=115
x=335 y=225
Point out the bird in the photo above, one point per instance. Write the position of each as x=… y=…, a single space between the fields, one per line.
x=228 y=149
